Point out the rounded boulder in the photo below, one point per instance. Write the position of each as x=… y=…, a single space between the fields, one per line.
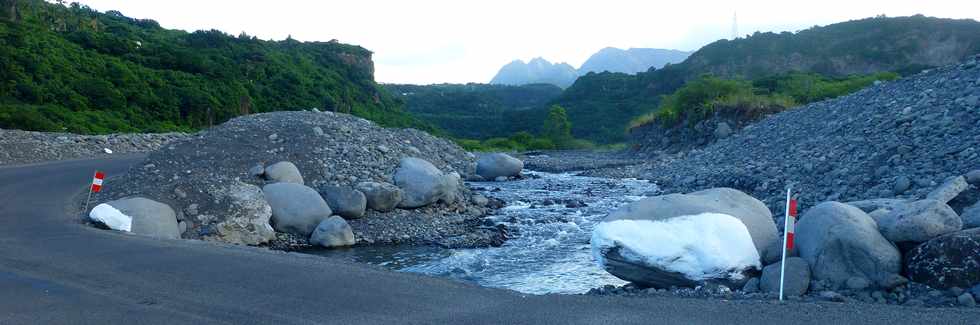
x=919 y=221
x=797 y=277
x=491 y=166
x=840 y=241
x=149 y=217
x=344 y=201
x=296 y=208
x=285 y=172
x=333 y=232
x=421 y=182
x=382 y=197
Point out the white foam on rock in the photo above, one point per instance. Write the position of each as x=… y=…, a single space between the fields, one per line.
x=703 y=246
x=111 y=217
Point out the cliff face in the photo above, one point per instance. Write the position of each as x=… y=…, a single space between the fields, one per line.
x=537 y=70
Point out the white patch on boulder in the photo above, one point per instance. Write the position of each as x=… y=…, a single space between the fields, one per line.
x=111 y=217
x=702 y=246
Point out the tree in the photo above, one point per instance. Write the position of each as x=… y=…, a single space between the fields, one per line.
x=557 y=128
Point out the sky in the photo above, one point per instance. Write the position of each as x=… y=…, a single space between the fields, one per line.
x=444 y=41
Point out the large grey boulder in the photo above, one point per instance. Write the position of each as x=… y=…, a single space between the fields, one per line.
x=381 y=197
x=283 y=171
x=491 y=166
x=296 y=208
x=149 y=217
x=333 y=232
x=452 y=181
x=620 y=259
x=949 y=189
x=840 y=241
x=344 y=201
x=919 y=221
x=971 y=216
x=752 y=212
x=797 y=277
x=421 y=182
x=246 y=216
x=951 y=260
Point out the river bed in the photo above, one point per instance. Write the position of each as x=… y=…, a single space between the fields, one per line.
x=553 y=215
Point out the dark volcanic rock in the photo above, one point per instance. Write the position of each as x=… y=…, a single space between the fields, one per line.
x=947 y=261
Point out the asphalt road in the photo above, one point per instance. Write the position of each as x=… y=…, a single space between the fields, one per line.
x=54 y=270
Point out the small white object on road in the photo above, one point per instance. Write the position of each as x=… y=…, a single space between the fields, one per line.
x=111 y=217
x=107 y=150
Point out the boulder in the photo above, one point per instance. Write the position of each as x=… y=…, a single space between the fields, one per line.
x=491 y=166
x=971 y=216
x=973 y=177
x=714 y=235
x=421 y=182
x=797 y=277
x=949 y=189
x=452 y=187
x=246 y=216
x=871 y=205
x=148 y=217
x=774 y=252
x=951 y=260
x=296 y=208
x=381 y=197
x=344 y=201
x=919 y=221
x=333 y=232
x=840 y=241
x=284 y=172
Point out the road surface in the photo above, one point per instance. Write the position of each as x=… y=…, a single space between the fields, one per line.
x=54 y=270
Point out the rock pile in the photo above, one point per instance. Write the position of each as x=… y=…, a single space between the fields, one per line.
x=897 y=139
x=23 y=147
x=294 y=170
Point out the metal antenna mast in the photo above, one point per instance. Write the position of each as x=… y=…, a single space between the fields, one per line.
x=735 y=25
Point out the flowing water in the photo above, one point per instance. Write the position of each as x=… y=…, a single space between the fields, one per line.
x=550 y=252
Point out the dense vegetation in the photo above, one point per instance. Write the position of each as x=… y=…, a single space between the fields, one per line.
x=556 y=134
x=70 y=68
x=600 y=105
x=702 y=97
x=476 y=111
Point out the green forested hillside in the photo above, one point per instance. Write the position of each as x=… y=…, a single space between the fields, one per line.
x=601 y=105
x=477 y=111
x=75 y=69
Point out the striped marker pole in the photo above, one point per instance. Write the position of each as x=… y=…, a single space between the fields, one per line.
x=790 y=231
x=96 y=186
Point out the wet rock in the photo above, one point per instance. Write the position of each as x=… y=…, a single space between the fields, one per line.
x=966 y=300
x=973 y=177
x=841 y=241
x=971 y=216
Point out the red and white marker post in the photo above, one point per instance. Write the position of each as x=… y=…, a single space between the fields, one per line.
x=790 y=227
x=96 y=187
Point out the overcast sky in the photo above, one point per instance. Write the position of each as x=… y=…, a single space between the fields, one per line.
x=431 y=41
